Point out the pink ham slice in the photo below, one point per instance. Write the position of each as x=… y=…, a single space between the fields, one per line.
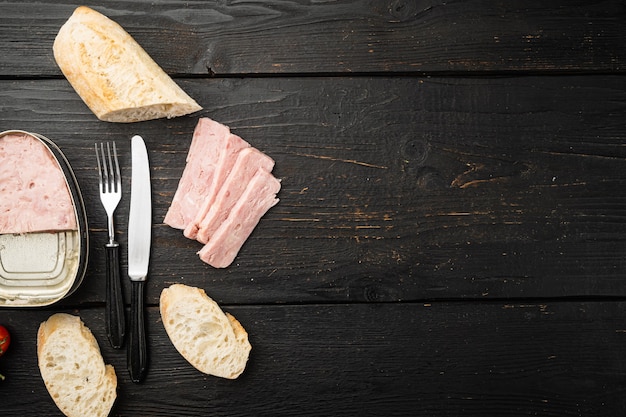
x=227 y=157
x=249 y=161
x=225 y=189
x=258 y=197
x=207 y=157
x=34 y=196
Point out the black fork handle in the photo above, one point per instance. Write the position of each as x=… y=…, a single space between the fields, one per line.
x=115 y=320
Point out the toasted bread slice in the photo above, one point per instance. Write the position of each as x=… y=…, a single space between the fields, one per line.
x=113 y=74
x=72 y=367
x=212 y=341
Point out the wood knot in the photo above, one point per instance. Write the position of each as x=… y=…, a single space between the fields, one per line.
x=403 y=10
x=416 y=151
x=372 y=294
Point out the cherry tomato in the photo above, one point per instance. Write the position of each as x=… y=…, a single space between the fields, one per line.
x=5 y=340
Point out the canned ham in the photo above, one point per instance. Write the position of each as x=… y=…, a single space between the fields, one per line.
x=35 y=195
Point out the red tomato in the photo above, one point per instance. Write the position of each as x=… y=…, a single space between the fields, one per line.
x=5 y=340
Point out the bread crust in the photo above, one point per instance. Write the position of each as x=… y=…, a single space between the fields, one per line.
x=113 y=74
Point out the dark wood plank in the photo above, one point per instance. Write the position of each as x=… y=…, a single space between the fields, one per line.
x=393 y=188
x=444 y=359
x=347 y=36
x=450 y=236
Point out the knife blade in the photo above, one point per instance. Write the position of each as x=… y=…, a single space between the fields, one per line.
x=139 y=238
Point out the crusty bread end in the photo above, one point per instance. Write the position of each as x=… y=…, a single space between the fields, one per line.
x=212 y=341
x=113 y=74
x=72 y=367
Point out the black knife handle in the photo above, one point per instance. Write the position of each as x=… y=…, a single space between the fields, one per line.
x=115 y=320
x=137 y=357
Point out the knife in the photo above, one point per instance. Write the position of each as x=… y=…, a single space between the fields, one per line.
x=139 y=235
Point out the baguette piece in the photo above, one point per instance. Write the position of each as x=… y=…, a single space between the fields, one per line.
x=113 y=74
x=212 y=341
x=72 y=367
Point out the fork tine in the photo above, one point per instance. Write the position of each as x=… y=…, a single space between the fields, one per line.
x=100 y=179
x=104 y=170
x=118 y=176
x=109 y=170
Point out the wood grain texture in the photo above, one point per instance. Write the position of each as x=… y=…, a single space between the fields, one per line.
x=392 y=188
x=444 y=359
x=340 y=36
x=450 y=235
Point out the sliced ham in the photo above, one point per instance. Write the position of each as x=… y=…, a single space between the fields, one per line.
x=249 y=161
x=34 y=195
x=225 y=189
x=258 y=197
x=210 y=143
x=227 y=157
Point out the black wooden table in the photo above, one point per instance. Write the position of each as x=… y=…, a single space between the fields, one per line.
x=451 y=233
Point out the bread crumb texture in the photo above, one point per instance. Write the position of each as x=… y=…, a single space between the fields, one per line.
x=212 y=341
x=72 y=367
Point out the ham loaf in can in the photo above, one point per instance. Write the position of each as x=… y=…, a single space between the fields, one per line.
x=44 y=242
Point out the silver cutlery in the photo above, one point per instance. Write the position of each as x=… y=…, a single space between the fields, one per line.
x=110 y=184
x=139 y=236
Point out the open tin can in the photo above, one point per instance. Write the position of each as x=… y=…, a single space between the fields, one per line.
x=41 y=268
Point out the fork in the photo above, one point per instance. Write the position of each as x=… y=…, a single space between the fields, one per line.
x=110 y=184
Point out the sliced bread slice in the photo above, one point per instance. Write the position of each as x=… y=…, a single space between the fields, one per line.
x=212 y=341
x=72 y=367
